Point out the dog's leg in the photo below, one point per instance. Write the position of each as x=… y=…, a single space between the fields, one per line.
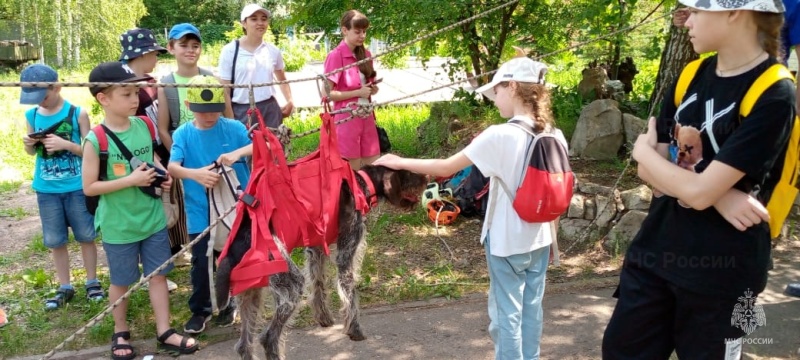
x=315 y=275
x=287 y=289
x=249 y=310
x=351 y=245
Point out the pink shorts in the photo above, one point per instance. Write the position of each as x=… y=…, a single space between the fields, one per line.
x=358 y=138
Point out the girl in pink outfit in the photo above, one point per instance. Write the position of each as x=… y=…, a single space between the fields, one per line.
x=358 y=138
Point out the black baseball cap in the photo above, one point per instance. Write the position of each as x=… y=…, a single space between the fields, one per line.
x=113 y=71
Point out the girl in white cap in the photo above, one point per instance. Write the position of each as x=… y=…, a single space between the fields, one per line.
x=251 y=60
x=692 y=273
x=517 y=252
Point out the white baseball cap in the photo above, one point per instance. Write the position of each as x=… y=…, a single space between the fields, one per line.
x=251 y=9
x=771 y=6
x=519 y=69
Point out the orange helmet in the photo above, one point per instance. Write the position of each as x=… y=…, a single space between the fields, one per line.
x=444 y=210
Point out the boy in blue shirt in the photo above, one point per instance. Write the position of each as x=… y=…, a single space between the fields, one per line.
x=57 y=179
x=196 y=145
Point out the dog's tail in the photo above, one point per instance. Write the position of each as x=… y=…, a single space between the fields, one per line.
x=223 y=282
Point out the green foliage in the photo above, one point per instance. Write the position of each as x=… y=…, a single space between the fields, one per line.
x=211 y=53
x=9 y=186
x=212 y=33
x=75 y=33
x=37 y=278
x=201 y=13
x=17 y=213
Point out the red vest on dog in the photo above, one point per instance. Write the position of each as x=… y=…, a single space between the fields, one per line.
x=298 y=202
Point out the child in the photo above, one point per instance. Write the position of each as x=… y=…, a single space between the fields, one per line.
x=250 y=60
x=57 y=181
x=196 y=145
x=517 y=252
x=692 y=266
x=140 y=52
x=132 y=222
x=358 y=139
x=185 y=44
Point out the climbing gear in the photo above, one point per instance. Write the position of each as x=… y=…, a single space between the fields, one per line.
x=443 y=212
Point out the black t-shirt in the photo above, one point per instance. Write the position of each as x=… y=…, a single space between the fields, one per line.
x=700 y=250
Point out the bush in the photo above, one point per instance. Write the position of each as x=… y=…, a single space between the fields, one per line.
x=211 y=53
x=213 y=33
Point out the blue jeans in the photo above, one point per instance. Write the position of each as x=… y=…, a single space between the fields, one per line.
x=123 y=259
x=200 y=300
x=62 y=210
x=516 y=288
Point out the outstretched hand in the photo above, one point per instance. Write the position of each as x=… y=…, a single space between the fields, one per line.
x=390 y=161
x=741 y=210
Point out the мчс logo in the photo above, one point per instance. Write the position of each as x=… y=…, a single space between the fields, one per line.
x=747 y=315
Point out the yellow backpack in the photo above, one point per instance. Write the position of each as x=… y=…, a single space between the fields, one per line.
x=780 y=203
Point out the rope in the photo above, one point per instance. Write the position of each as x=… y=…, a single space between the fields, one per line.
x=135 y=287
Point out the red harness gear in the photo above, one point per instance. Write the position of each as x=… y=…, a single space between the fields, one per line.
x=298 y=201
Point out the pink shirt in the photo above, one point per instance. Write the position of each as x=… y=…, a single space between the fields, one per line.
x=347 y=80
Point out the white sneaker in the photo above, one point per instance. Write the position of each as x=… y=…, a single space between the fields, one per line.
x=171 y=285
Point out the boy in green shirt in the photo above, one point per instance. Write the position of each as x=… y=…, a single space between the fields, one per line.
x=130 y=218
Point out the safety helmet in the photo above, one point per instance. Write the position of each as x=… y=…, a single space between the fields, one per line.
x=446 y=211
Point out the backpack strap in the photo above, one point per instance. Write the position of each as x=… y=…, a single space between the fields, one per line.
x=233 y=68
x=768 y=78
x=102 y=143
x=685 y=79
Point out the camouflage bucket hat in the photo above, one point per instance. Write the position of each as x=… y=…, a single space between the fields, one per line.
x=205 y=100
x=771 y=6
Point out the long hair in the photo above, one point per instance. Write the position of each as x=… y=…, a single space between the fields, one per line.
x=354 y=19
x=537 y=98
x=769 y=32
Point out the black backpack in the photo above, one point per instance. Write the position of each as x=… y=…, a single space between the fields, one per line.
x=470 y=188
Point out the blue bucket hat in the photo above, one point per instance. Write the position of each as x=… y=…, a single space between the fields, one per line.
x=180 y=30
x=36 y=73
x=137 y=42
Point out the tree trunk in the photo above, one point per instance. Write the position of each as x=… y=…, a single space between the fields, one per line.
x=676 y=54
x=59 y=33
x=70 y=30
x=76 y=56
x=22 y=23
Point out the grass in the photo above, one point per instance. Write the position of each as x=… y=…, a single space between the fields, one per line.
x=17 y=213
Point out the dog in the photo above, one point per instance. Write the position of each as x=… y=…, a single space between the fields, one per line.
x=690 y=146
x=399 y=187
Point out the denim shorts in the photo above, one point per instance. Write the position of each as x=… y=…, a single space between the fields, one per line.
x=123 y=259
x=62 y=210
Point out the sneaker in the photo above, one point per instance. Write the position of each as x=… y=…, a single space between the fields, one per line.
x=171 y=285
x=196 y=324
x=226 y=316
x=793 y=289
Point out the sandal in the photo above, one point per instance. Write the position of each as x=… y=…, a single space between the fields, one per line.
x=115 y=345
x=95 y=293
x=62 y=297
x=175 y=350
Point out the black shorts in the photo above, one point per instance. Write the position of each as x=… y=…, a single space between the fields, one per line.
x=654 y=317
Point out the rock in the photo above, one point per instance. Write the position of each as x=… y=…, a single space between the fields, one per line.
x=590 y=209
x=570 y=229
x=615 y=90
x=606 y=209
x=633 y=127
x=599 y=132
x=593 y=189
x=592 y=84
x=620 y=236
x=637 y=198
x=576 y=208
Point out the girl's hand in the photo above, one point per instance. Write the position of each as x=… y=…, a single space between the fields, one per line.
x=741 y=210
x=645 y=142
x=53 y=143
x=389 y=160
x=364 y=92
x=142 y=176
x=373 y=89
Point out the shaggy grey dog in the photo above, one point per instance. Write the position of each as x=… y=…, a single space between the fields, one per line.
x=400 y=188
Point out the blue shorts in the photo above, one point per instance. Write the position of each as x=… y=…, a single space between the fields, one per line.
x=123 y=259
x=62 y=210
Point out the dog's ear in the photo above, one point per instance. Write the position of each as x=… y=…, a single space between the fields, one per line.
x=391 y=186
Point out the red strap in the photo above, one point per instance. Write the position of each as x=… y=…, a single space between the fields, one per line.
x=102 y=140
x=150 y=126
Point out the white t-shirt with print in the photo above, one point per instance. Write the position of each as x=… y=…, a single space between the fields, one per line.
x=251 y=68
x=499 y=152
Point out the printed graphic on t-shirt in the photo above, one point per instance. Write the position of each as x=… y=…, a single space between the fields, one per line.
x=686 y=147
x=62 y=164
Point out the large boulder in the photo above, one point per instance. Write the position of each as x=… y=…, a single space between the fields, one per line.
x=637 y=198
x=620 y=236
x=599 y=132
x=633 y=127
x=569 y=230
x=576 y=207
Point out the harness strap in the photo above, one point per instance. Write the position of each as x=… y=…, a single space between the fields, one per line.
x=372 y=195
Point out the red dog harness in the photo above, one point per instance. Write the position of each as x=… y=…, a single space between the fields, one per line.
x=298 y=203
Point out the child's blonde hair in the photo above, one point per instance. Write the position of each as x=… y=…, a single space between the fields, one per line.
x=537 y=98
